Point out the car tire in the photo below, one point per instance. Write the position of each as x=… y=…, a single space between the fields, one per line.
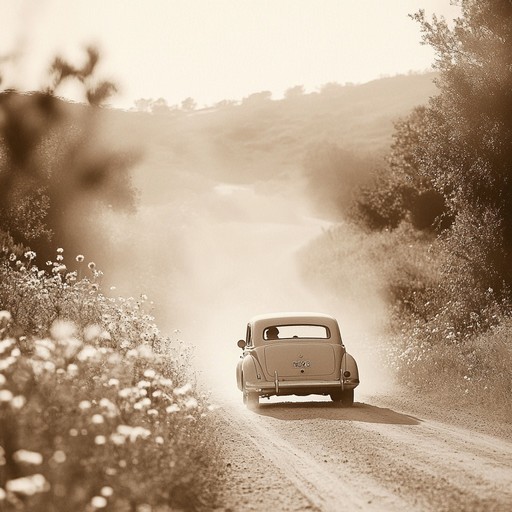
x=347 y=397
x=252 y=400
x=336 y=396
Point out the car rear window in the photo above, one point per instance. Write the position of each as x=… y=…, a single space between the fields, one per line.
x=286 y=332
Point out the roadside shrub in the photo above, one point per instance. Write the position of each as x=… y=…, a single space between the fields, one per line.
x=98 y=410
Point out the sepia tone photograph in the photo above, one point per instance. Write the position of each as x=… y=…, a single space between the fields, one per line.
x=255 y=255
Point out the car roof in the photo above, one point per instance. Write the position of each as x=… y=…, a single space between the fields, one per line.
x=260 y=322
x=294 y=317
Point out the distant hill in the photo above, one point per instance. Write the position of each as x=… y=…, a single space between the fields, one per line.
x=260 y=139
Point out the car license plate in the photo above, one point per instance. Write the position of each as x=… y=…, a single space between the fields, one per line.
x=301 y=364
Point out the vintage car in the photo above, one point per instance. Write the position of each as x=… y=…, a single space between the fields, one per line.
x=295 y=354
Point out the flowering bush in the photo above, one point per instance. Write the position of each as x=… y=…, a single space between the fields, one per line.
x=97 y=409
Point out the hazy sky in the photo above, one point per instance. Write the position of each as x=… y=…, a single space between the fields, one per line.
x=218 y=49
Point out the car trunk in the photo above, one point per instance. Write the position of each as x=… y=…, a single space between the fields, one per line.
x=297 y=361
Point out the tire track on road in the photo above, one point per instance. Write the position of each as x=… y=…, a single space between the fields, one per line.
x=323 y=488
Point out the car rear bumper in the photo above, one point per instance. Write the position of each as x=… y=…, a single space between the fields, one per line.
x=300 y=387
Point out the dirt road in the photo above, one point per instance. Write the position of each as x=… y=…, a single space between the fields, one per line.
x=315 y=455
x=379 y=455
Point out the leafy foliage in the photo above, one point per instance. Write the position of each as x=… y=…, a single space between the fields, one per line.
x=467 y=146
x=399 y=191
x=50 y=164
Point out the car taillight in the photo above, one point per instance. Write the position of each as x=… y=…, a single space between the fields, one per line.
x=346 y=374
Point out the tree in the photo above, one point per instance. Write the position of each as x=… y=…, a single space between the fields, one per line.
x=53 y=174
x=143 y=104
x=258 y=98
x=294 y=92
x=398 y=191
x=188 y=104
x=160 y=106
x=466 y=144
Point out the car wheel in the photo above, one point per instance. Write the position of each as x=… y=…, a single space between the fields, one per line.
x=347 y=397
x=252 y=400
x=336 y=396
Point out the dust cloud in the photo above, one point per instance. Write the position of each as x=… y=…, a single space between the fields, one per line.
x=214 y=258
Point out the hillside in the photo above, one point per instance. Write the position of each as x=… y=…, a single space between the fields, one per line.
x=260 y=139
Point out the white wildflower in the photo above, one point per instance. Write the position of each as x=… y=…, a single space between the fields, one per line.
x=84 y=405
x=100 y=440
x=105 y=335
x=141 y=404
x=5 y=316
x=111 y=410
x=146 y=352
x=150 y=374
x=62 y=330
x=191 y=403
x=98 y=502
x=127 y=392
x=49 y=366
x=6 y=344
x=59 y=457
x=183 y=390
x=172 y=408
x=5 y=395
x=133 y=432
x=107 y=491
x=42 y=352
x=72 y=370
x=92 y=332
x=117 y=439
x=18 y=402
x=27 y=457
x=97 y=419
x=5 y=363
x=88 y=352
x=28 y=485
x=113 y=382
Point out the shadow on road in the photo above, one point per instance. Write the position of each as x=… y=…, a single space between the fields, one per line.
x=290 y=411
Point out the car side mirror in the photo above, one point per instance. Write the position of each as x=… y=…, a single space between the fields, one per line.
x=241 y=343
